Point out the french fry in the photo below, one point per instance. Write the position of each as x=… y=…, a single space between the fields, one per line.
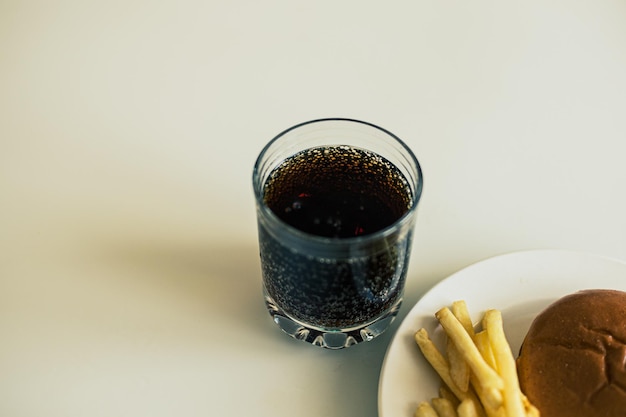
x=459 y=369
x=460 y=311
x=506 y=364
x=491 y=383
x=484 y=347
x=444 y=407
x=490 y=398
x=437 y=361
x=445 y=392
x=531 y=410
x=467 y=409
x=492 y=409
x=424 y=409
x=441 y=366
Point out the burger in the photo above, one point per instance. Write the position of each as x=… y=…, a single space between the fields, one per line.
x=572 y=362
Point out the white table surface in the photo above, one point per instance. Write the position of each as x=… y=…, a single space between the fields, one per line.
x=129 y=273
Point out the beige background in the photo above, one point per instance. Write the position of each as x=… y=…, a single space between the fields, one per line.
x=129 y=274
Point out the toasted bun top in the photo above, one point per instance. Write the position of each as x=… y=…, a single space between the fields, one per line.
x=573 y=360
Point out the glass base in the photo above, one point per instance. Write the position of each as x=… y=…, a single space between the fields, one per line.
x=331 y=339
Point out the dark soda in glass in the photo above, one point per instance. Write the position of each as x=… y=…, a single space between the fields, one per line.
x=335 y=233
x=335 y=192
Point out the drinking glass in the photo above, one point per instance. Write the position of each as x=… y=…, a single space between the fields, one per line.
x=335 y=290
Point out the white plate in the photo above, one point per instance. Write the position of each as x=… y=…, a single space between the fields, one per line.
x=520 y=284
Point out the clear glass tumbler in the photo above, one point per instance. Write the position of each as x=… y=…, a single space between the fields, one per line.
x=336 y=205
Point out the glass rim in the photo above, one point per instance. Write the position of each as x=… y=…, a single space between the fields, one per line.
x=362 y=239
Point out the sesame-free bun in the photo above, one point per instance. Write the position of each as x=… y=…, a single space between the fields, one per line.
x=573 y=360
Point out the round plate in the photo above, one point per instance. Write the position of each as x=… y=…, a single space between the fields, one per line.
x=520 y=285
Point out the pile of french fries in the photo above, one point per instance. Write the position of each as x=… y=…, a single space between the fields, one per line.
x=477 y=370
